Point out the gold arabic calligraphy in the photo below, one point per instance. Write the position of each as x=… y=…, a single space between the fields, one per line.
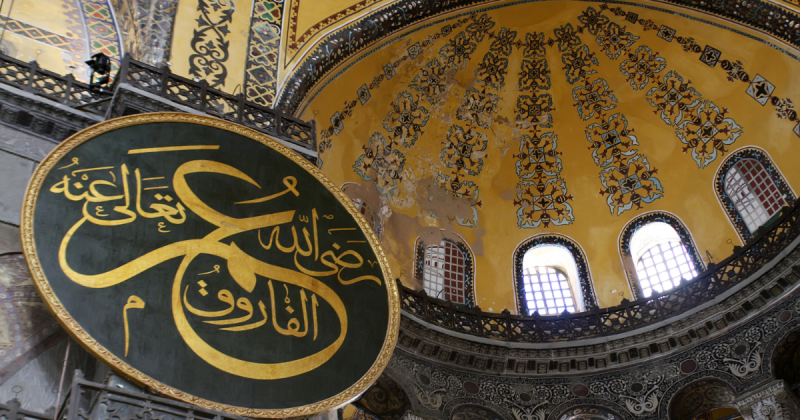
x=242 y=267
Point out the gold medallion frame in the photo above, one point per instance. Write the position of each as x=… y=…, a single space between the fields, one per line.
x=96 y=349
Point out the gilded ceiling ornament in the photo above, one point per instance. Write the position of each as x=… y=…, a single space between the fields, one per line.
x=593 y=98
x=479 y=27
x=641 y=66
x=381 y=163
x=534 y=45
x=406 y=119
x=535 y=109
x=626 y=175
x=566 y=37
x=592 y=20
x=503 y=42
x=492 y=70
x=673 y=97
x=430 y=81
x=477 y=107
x=707 y=132
x=615 y=40
x=208 y=43
x=464 y=151
x=541 y=197
x=578 y=63
x=534 y=74
x=457 y=52
x=630 y=183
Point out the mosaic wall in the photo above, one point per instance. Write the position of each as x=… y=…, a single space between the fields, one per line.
x=261 y=70
x=60 y=41
x=95 y=19
x=147 y=28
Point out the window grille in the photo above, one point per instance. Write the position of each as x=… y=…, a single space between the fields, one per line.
x=444 y=271
x=753 y=192
x=663 y=266
x=547 y=291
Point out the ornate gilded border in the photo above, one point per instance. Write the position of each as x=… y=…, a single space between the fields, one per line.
x=75 y=330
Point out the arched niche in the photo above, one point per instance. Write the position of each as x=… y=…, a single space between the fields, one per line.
x=386 y=399
x=589 y=413
x=474 y=412
x=786 y=361
x=707 y=398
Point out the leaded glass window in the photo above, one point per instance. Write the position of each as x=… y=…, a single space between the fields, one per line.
x=443 y=272
x=547 y=290
x=661 y=258
x=754 y=193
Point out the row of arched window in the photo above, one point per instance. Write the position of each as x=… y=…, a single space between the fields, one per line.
x=657 y=250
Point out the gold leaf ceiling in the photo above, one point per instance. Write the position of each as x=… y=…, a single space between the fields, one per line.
x=500 y=123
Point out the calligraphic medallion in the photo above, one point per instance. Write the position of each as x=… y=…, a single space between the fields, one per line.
x=210 y=263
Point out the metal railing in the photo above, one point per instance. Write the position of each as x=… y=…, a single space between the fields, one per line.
x=88 y=400
x=161 y=82
x=715 y=280
x=62 y=89
x=12 y=411
x=198 y=95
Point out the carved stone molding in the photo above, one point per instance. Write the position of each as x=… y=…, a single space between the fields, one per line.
x=483 y=355
x=129 y=100
x=769 y=402
x=739 y=356
x=40 y=117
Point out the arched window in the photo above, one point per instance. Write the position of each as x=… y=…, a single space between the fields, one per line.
x=445 y=270
x=355 y=192
x=751 y=190
x=589 y=412
x=371 y=217
x=708 y=398
x=755 y=195
x=552 y=277
x=658 y=252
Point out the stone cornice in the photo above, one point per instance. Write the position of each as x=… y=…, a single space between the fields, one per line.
x=756 y=296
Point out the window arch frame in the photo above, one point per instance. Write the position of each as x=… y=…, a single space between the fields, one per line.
x=584 y=280
x=377 y=221
x=625 y=236
x=606 y=412
x=760 y=155
x=469 y=266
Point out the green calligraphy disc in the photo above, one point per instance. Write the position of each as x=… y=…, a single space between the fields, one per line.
x=210 y=263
